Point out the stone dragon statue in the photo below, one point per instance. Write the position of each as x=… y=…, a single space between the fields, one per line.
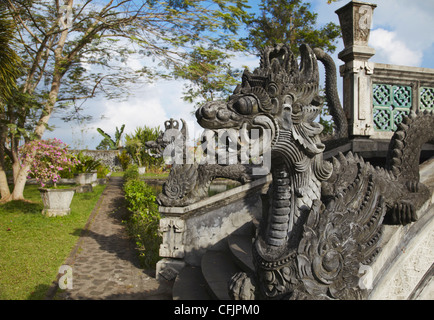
x=322 y=220
x=189 y=181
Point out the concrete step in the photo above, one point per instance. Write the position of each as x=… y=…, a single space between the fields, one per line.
x=210 y=280
x=240 y=247
x=217 y=269
x=190 y=285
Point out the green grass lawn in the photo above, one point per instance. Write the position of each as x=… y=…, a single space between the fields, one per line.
x=33 y=247
x=117 y=174
x=150 y=175
x=147 y=175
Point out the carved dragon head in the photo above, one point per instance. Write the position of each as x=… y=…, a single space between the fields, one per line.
x=278 y=96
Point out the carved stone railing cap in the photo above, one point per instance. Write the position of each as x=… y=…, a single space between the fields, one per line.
x=355 y=22
x=217 y=199
x=356 y=52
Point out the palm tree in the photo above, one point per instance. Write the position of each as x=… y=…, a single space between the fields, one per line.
x=9 y=70
x=9 y=60
x=136 y=148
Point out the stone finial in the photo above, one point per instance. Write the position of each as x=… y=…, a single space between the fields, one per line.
x=355 y=19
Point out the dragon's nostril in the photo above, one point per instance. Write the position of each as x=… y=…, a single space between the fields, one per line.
x=223 y=114
x=208 y=111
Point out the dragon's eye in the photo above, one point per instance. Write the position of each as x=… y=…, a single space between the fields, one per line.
x=273 y=89
x=246 y=105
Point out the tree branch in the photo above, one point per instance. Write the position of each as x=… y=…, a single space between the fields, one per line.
x=22 y=22
x=91 y=95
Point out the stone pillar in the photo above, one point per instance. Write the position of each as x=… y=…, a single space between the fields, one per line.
x=355 y=19
x=172 y=230
x=171 y=249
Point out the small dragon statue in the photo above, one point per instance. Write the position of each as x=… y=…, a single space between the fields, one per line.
x=322 y=220
x=188 y=181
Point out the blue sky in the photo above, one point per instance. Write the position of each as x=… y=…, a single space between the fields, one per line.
x=402 y=33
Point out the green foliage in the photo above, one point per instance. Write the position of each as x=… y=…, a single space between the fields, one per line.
x=211 y=76
x=139 y=196
x=136 y=149
x=10 y=62
x=290 y=22
x=102 y=171
x=87 y=164
x=124 y=159
x=108 y=143
x=143 y=227
x=279 y=21
x=143 y=223
x=132 y=172
x=66 y=67
x=18 y=104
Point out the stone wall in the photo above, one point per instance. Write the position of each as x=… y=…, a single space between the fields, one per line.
x=109 y=158
x=188 y=232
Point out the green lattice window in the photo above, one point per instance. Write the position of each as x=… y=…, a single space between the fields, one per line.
x=426 y=98
x=391 y=103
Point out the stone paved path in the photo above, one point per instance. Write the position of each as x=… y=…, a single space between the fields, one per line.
x=104 y=262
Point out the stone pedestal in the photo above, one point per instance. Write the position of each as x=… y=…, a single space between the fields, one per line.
x=85 y=188
x=87 y=178
x=355 y=19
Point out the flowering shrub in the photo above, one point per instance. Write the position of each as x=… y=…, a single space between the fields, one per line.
x=46 y=159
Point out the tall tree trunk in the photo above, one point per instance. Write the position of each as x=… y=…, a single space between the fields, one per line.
x=19 y=171
x=20 y=183
x=4 y=187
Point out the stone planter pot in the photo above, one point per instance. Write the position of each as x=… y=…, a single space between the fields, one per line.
x=56 y=201
x=86 y=178
x=142 y=170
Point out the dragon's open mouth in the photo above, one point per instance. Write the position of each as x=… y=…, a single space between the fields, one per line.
x=245 y=143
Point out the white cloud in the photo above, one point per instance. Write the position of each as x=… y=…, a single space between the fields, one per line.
x=411 y=20
x=133 y=113
x=389 y=49
x=149 y=104
x=241 y=60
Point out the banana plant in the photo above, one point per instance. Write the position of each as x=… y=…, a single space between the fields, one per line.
x=108 y=141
